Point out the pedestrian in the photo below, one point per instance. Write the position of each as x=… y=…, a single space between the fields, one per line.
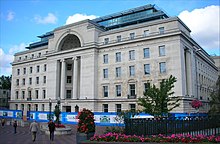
x=3 y=122
x=33 y=130
x=51 y=126
x=15 y=126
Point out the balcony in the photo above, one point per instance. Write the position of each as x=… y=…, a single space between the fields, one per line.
x=29 y=99
x=132 y=96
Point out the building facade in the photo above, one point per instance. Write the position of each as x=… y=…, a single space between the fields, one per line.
x=217 y=62
x=105 y=64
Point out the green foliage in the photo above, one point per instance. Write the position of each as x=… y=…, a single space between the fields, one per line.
x=215 y=99
x=5 y=82
x=158 y=101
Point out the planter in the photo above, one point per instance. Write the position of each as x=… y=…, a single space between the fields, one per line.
x=80 y=137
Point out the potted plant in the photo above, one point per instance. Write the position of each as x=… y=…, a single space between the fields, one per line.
x=86 y=125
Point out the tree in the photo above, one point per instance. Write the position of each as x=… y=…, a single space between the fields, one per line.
x=5 y=82
x=158 y=101
x=215 y=99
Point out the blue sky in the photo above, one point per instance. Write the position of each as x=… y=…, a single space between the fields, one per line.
x=21 y=21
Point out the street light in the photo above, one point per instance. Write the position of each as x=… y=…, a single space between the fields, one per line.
x=58 y=107
x=50 y=104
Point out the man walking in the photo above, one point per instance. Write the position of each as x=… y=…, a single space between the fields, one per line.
x=34 y=129
x=51 y=126
x=15 y=126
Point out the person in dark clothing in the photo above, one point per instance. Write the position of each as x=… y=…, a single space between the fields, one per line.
x=15 y=126
x=51 y=126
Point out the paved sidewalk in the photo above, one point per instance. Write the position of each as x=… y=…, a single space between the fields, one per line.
x=23 y=136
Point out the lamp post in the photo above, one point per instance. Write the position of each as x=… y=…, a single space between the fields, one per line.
x=58 y=107
x=50 y=104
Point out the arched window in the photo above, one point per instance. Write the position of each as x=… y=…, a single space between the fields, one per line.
x=69 y=42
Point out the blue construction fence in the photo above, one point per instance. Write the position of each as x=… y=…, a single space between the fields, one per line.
x=101 y=118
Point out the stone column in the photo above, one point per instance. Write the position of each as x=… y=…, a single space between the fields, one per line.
x=63 y=79
x=188 y=72
x=75 y=78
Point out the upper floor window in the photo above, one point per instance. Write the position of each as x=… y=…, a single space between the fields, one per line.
x=132 y=35
x=69 y=79
x=105 y=107
x=23 y=94
x=68 y=94
x=16 y=106
x=44 y=94
x=146 y=33
x=118 y=57
x=162 y=50
x=105 y=91
x=106 y=40
x=162 y=67
x=19 y=58
x=147 y=69
x=16 y=94
x=45 y=79
x=23 y=81
x=118 y=107
x=31 y=70
x=26 y=57
x=36 y=94
x=36 y=107
x=42 y=107
x=118 y=90
x=105 y=58
x=69 y=67
x=30 y=81
x=32 y=56
x=39 y=54
x=37 y=80
x=119 y=38
x=132 y=107
x=17 y=82
x=132 y=89
x=24 y=71
x=131 y=55
x=146 y=86
x=118 y=71
x=161 y=30
x=132 y=70
x=18 y=71
x=38 y=69
x=105 y=73
x=146 y=52
x=22 y=107
x=45 y=67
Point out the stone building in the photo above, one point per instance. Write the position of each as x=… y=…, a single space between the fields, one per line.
x=105 y=64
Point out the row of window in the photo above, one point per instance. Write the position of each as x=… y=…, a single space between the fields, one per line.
x=37 y=81
x=118 y=107
x=132 y=35
x=32 y=56
x=147 y=71
x=146 y=53
x=31 y=107
x=31 y=70
x=29 y=96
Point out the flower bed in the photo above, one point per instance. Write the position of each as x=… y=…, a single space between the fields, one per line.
x=59 y=125
x=114 y=137
x=196 y=104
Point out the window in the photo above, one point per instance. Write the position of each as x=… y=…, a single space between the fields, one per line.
x=118 y=107
x=132 y=89
x=17 y=82
x=162 y=50
x=131 y=55
x=16 y=94
x=132 y=107
x=36 y=107
x=118 y=72
x=45 y=79
x=23 y=81
x=24 y=71
x=23 y=94
x=45 y=67
x=105 y=91
x=118 y=38
x=161 y=30
x=31 y=70
x=146 y=86
x=25 y=57
x=44 y=94
x=68 y=94
x=146 y=53
x=118 y=90
x=147 y=69
x=19 y=58
x=16 y=106
x=42 y=107
x=162 y=67
x=131 y=70
x=29 y=94
x=146 y=33
x=38 y=69
x=105 y=107
x=105 y=58
x=22 y=107
x=118 y=57
x=69 y=67
x=29 y=107
x=37 y=80
x=106 y=40
x=30 y=81
x=32 y=56
x=36 y=93
x=39 y=54
x=132 y=35
x=69 y=79
x=105 y=73
x=18 y=71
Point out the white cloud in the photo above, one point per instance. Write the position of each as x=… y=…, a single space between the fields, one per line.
x=79 y=17
x=204 y=24
x=10 y=15
x=7 y=58
x=49 y=19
